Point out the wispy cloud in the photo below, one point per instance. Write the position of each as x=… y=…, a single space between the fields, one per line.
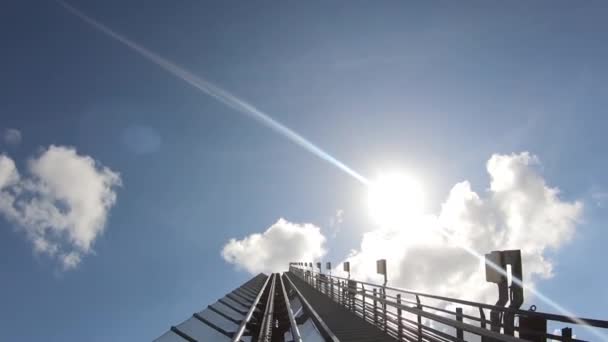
x=600 y=198
x=335 y=222
x=11 y=136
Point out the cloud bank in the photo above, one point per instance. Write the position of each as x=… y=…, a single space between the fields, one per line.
x=61 y=204
x=272 y=250
x=518 y=211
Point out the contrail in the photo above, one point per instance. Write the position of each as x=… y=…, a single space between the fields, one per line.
x=216 y=92
x=248 y=109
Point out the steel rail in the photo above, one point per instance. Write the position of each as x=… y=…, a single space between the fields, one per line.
x=295 y=332
x=265 y=333
x=328 y=334
x=239 y=333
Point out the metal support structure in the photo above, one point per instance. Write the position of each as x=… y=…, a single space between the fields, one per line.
x=346 y=267
x=375 y=308
x=265 y=333
x=399 y=319
x=496 y=272
x=529 y=325
x=239 y=333
x=419 y=307
x=262 y=310
x=295 y=332
x=364 y=301
x=459 y=332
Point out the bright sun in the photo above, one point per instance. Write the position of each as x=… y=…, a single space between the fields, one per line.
x=395 y=199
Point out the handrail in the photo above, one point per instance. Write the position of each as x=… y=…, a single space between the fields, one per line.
x=312 y=313
x=440 y=319
x=239 y=333
x=338 y=289
x=553 y=317
x=295 y=332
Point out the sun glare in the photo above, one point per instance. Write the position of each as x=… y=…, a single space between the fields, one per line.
x=395 y=199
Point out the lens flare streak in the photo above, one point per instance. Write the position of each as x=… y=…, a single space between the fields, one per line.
x=216 y=92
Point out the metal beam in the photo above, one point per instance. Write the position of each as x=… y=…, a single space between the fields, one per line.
x=328 y=334
x=239 y=333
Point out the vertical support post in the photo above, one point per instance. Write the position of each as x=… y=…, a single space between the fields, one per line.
x=344 y=293
x=532 y=329
x=482 y=316
x=419 y=306
x=352 y=299
x=459 y=332
x=363 y=296
x=381 y=269
x=399 y=323
x=343 y=286
x=384 y=309
x=567 y=334
x=375 y=308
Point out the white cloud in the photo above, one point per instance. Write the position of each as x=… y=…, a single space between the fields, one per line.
x=271 y=251
x=62 y=204
x=518 y=211
x=11 y=136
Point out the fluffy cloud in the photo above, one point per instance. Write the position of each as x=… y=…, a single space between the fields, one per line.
x=11 y=136
x=518 y=211
x=61 y=205
x=272 y=250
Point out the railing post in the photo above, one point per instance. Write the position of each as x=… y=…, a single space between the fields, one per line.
x=459 y=332
x=384 y=308
x=482 y=316
x=419 y=319
x=341 y=292
x=331 y=286
x=364 y=295
x=399 y=323
x=567 y=334
x=352 y=298
x=375 y=308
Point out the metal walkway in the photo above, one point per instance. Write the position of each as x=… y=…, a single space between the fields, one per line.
x=344 y=324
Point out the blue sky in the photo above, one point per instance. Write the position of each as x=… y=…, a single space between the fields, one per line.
x=428 y=88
